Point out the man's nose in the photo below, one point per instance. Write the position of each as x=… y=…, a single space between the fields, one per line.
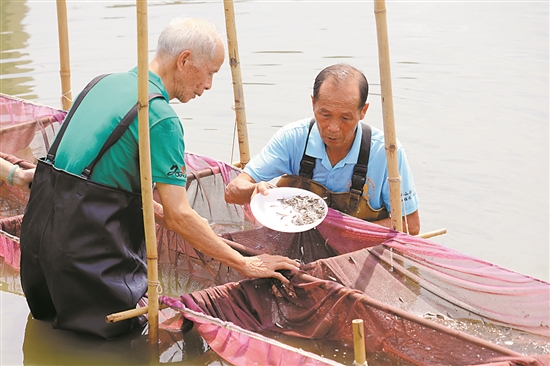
x=334 y=125
x=208 y=84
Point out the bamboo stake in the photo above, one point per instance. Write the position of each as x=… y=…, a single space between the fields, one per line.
x=64 y=59
x=387 y=110
x=431 y=234
x=146 y=179
x=234 y=62
x=359 y=343
x=129 y=314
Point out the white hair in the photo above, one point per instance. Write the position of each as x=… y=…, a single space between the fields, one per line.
x=196 y=35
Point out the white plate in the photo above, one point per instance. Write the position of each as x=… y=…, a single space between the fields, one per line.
x=272 y=213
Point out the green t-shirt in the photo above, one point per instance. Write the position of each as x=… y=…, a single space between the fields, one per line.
x=97 y=116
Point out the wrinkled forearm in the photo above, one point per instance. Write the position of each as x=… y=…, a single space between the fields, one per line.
x=176 y=214
x=195 y=230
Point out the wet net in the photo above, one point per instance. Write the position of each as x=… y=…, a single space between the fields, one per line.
x=26 y=130
x=421 y=303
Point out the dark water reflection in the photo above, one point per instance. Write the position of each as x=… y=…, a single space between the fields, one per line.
x=43 y=345
x=15 y=63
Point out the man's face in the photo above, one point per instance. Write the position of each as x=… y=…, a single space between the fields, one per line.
x=195 y=75
x=337 y=113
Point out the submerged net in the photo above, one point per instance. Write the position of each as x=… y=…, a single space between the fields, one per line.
x=421 y=303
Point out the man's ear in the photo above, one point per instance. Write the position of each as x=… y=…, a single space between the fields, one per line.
x=182 y=58
x=364 y=111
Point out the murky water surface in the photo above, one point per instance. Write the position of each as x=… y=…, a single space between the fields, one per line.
x=471 y=97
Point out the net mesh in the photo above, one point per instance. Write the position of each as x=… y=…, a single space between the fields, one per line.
x=421 y=303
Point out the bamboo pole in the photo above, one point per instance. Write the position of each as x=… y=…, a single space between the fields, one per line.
x=359 y=343
x=387 y=110
x=146 y=179
x=431 y=234
x=129 y=314
x=234 y=62
x=64 y=59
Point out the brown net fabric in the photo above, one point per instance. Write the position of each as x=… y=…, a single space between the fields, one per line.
x=324 y=309
x=421 y=303
x=319 y=306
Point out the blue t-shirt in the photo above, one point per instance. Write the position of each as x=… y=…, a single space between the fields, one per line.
x=284 y=151
x=96 y=117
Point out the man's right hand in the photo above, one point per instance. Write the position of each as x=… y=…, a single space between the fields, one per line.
x=262 y=188
x=240 y=190
x=267 y=265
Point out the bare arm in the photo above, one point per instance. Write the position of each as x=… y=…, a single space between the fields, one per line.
x=241 y=189
x=182 y=219
x=20 y=178
x=410 y=225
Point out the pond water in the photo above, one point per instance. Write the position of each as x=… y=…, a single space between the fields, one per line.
x=471 y=96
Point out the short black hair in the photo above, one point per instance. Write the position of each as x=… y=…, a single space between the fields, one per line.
x=341 y=72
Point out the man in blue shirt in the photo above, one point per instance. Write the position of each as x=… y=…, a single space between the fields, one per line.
x=333 y=155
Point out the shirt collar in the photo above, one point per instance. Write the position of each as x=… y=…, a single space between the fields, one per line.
x=316 y=148
x=156 y=81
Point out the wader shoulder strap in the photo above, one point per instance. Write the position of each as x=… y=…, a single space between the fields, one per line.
x=53 y=150
x=116 y=134
x=360 y=169
x=308 y=163
x=358 y=178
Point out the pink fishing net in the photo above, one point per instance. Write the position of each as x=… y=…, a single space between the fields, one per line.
x=26 y=130
x=421 y=303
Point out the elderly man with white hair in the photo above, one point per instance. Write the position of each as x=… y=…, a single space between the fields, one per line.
x=83 y=254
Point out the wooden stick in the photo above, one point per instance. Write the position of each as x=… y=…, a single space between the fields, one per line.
x=146 y=178
x=128 y=314
x=234 y=62
x=359 y=343
x=431 y=234
x=387 y=111
x=62 y=29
